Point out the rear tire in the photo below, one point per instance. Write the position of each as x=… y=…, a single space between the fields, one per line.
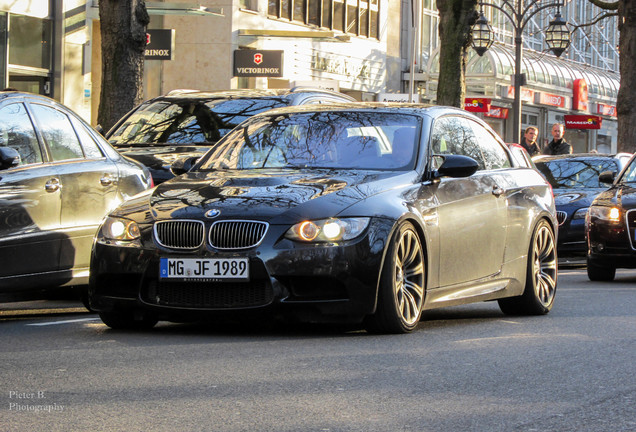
x=402 y=285
x=127 y=320
x=600 y=274
x=541 y=276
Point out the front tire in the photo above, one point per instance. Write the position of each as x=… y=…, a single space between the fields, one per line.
x=541 y=276
x=401 y=292
x=600 y=274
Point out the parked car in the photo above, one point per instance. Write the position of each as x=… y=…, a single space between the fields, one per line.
x=575 y=180
x=353 y=212
x=185 y=123
x=611 y=226
x=58 y=180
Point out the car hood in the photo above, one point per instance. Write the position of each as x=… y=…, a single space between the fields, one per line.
x=578 y=198
x=623 y=195
x=271 y=195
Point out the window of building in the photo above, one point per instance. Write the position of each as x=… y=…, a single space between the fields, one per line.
x=29 y=42
x=355 y=17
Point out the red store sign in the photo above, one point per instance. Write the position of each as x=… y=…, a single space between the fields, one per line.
x=608 y=110
x=552 y=100
x=477 y=104
x=583 y=122
x=580 y=95
x=497 y=112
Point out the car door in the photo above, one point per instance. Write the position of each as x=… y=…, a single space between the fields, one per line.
x=472 y=210
x=88 y=180
x=30 y=202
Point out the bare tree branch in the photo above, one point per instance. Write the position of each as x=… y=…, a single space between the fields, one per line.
x=597 y=19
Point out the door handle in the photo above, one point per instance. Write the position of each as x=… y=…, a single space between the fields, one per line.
x=107 y=180
x=497 y=191
x=52 y=185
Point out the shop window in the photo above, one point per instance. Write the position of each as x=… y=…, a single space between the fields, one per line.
x=300 y=11
x=250 y=4
x=338 y=15
x=29 y=42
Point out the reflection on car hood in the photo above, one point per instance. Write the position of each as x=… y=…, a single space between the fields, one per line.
x=274 y=195
x=575 y=197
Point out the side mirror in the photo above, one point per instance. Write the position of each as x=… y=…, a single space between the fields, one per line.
x=9 y=158
x=457 y=166
x=607 y=177
x=183 y=165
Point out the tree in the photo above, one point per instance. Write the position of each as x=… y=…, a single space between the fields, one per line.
x=625 y=103
x=456 y=19
x=123 y=26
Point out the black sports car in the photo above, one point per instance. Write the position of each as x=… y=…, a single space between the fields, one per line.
x=575 y=181
x=349 y=212
x=611 y=226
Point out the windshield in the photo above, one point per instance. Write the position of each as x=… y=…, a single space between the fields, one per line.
x=339 y=140
x=629 y=176
x=188 y=120
x=576 y=173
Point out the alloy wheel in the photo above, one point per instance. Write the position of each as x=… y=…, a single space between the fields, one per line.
x=544 y=266
x=408 y=283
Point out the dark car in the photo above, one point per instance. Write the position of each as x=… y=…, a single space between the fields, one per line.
x=611 y=226
x=58 y=180
x=185 y=123
x=575 y=180
x=357 y=212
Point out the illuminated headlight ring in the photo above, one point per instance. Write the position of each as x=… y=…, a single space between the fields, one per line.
x=328 y=230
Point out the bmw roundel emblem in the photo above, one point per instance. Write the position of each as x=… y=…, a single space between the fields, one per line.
x=212 y=213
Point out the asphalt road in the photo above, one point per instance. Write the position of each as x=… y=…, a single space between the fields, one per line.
x=466 y=368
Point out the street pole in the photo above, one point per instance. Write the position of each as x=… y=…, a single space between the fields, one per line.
x=518 y=82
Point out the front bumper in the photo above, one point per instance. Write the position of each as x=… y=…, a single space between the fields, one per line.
x=610 y=245
x=312 y=282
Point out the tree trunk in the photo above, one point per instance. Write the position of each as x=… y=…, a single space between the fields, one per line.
x=123 y=25
x=456 y=18
x=625 y=105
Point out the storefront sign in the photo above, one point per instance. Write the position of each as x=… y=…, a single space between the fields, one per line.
x=579 y=95
x=497 y=112
x=477 y=104
x=397 y=97
x=258 y=63
x=551 y=99
x=346 y=66
x=608 y=110
x=527 y=95
x=582 y=122
x=159 y=44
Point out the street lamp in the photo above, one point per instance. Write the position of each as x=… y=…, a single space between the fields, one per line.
x=557 y=36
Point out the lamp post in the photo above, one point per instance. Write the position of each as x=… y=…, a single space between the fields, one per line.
x=519 y=13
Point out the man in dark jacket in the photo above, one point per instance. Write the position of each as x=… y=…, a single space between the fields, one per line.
x=529 y=141
x=558 y=145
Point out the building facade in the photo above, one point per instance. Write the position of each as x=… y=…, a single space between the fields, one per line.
x=365 y=48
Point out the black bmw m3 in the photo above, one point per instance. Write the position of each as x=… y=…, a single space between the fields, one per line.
x=358 y=213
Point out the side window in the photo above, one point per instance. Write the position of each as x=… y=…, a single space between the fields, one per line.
x=454 y=135
x=494 y=154
x=58 y=133
x=16 y=131
x=91 y=149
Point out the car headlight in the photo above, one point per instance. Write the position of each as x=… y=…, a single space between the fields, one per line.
x=580 y=213
x=327 y=230
x=611 y=214
x=120 y=229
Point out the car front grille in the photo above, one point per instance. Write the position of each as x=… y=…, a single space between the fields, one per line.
x=179 y=234
x=561 y=217
x=209 y=295
x=237 y=234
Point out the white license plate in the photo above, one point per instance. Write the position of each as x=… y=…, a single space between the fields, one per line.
x=204 y=268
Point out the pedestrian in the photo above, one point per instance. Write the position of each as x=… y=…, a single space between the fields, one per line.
x=529 y=141
x=558 y=145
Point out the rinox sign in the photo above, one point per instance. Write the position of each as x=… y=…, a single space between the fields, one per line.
x=159 y=44
x=258 y=63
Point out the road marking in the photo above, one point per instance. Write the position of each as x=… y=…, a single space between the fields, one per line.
x=63 y=322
